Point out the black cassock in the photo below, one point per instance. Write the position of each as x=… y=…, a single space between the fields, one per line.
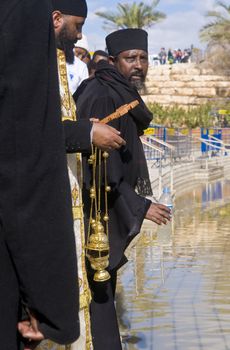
x=127 y=170
x=37 y=249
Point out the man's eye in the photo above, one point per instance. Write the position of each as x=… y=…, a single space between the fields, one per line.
x=130 y=59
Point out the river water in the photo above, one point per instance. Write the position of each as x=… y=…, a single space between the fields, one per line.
x=174 y=293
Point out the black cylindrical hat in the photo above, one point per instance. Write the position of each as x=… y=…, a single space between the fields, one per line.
x=126 y=39
x=71 y=7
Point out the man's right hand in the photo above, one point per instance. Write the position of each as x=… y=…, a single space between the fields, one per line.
x=106 y=137
x=30 y=332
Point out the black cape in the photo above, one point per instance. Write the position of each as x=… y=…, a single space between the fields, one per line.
x=37 y=248
x=127 y=168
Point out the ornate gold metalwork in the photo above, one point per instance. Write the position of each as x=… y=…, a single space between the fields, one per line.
x=98 y=252
x=68 y=106
x=97 y=247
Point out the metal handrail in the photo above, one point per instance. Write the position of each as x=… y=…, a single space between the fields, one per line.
x=205 y=141
x=150 y=145
x=219 y=141
x=209 y=143
x=166 y=144
x=216 y=140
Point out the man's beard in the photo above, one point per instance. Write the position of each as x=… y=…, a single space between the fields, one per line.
x=63 y=43
x=69 y=55
x=137 y=83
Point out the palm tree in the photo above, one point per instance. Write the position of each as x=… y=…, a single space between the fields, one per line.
x=218 y=30
x=135 y=15
x=217 y=35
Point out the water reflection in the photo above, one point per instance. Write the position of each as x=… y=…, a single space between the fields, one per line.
x=174 y=294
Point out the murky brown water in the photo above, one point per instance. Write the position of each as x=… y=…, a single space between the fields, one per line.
x=174 y=294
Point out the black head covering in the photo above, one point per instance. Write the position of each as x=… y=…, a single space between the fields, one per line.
x=71 y=7
x=127 y=39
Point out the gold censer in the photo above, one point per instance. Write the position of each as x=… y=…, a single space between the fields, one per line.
x=97 y=246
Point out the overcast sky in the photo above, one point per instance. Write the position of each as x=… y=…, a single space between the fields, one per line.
x=179 y=30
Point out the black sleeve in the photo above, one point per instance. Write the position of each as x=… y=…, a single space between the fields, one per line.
x=77 y=135
x=35 y=202
x=135 y=207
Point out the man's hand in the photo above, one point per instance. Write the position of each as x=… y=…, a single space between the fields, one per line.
x=106 y=137
x=158 y=213
x=30 y=332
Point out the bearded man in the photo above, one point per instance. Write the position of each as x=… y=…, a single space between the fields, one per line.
x=113 y=86
x=68 y=19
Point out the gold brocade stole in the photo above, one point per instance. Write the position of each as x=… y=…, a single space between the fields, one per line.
x=68 y=109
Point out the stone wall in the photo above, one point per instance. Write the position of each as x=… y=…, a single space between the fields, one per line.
x=185 y=84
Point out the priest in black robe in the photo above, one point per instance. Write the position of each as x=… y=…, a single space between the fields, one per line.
x=37 y=249
x=112 y=87
x=68 y=19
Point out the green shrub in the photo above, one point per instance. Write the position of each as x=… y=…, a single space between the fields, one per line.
x=176 y=116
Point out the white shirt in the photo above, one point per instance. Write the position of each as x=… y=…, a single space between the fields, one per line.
x=76 y=72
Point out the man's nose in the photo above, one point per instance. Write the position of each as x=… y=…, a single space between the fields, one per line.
x=79 y=35
x=138 y=64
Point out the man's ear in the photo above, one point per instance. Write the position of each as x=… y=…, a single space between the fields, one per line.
x=57 y=19
x=112 y=60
